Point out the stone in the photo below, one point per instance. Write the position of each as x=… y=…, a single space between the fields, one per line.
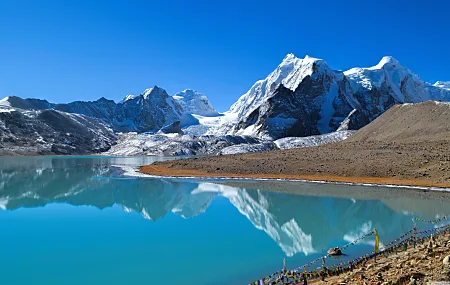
x=335 y=251
x=446 y=260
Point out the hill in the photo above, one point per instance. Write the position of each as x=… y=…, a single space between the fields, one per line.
x=428 y=121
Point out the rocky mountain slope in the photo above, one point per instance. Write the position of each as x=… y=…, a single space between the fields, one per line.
x=303 y=97
x=43 y=132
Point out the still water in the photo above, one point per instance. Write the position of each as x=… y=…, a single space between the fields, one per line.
x=84 y=220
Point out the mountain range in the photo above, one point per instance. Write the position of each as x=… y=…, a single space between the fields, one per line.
x=304 y=97
x=300 y=98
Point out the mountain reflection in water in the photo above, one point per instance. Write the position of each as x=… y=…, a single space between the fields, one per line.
x=302 y=223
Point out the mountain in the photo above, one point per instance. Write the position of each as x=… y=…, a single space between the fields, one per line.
x=315 y=101
x=304 y=97
x=378 y=88
x=147 y=112
x=194 y=102
x=51 y=132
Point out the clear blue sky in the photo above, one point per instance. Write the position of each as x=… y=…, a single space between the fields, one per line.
x=82 y=50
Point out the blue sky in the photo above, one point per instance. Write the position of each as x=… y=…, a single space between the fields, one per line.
x=83 y=50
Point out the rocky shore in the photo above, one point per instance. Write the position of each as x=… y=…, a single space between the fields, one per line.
x=427 y=263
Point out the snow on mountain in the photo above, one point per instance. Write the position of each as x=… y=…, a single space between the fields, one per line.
x=393 y=77
x=298 y=142
x=245 y=148
x=301 y=97
x=30 y=132
x=177 y=145
x=5 y=102
x=304 y=97
x=442 y=84
x=378 y=88
x=194 y=102
x=290 y=73
x=147 y=112
x=128 y=97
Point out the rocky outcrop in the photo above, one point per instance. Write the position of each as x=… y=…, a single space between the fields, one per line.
x=174 y=128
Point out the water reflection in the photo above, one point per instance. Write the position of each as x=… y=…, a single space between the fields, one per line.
x=302 y=223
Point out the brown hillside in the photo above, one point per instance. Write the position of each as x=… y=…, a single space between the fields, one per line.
x=428 y=121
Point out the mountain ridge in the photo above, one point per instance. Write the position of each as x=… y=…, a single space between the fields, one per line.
x=149 y=111
x=318 y=100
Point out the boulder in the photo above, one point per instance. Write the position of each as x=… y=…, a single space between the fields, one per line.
x=335 y=251
x=174 y=128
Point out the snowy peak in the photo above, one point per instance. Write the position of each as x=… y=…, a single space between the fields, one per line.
x=442 y=84
x=391 y=78
x=27 y=104
x=155 y=91
x=290 y=73
x=386 y=62
x=194 y=102
x=5 y=102
x=128 y=97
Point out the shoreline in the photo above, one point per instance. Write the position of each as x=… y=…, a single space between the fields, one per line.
x=417 y=184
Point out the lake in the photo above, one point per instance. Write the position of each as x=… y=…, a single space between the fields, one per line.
x=89 y=220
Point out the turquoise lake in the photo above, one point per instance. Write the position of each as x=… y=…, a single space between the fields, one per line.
x=88 y=220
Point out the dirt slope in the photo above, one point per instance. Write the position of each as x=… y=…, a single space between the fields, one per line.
x=423 y=122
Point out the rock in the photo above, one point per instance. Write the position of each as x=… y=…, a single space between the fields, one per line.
x=174 y=128
x=336 y=251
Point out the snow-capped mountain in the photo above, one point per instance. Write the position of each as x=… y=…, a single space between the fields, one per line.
x=289 y=73
x=378 y=88
x=194 y=102
x=147 y=112
x=304 y=97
